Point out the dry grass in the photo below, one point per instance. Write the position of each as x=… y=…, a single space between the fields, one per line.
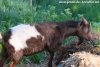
x=82 y=59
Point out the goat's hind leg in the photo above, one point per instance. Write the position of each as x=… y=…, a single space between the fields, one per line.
x=4 y=56
x=15 y=57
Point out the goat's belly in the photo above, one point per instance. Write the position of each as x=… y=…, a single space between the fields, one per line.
x=34 y=45
x=29 y=51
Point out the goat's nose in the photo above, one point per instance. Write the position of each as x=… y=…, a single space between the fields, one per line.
x=95 y=37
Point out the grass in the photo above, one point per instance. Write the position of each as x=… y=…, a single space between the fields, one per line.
x=18 y=12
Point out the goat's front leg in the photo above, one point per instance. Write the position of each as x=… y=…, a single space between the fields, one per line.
x=65 y=51
x=51 y=58
x=62 y=50
x=62 y=56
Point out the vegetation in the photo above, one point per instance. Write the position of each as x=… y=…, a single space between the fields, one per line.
x=13 y=12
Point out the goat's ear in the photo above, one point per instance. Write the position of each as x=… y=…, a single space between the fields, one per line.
x=84 y=25
x=83 y=22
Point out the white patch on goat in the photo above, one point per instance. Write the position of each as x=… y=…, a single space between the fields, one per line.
x=20 y=34
x=0 y=36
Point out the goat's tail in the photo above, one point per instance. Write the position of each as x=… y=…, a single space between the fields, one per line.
x=0 y=37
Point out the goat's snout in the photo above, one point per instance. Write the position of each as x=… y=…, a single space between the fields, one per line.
x=96 y=37
x=93 y=36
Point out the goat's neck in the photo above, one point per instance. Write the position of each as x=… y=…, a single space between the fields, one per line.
x=69 y=32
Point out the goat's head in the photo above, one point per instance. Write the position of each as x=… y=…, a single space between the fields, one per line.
x=83 y=30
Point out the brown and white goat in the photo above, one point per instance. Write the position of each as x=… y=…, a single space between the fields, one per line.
x=26 y=39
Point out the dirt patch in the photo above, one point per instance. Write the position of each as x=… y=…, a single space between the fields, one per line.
x=44 y=64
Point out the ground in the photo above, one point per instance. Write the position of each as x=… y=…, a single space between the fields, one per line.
x=86 y=46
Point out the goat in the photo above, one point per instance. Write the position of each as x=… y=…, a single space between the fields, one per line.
x=26 y=39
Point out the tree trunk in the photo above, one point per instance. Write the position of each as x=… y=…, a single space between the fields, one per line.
x=30 y=3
